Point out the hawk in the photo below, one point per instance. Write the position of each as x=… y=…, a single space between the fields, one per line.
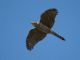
x=42 y=28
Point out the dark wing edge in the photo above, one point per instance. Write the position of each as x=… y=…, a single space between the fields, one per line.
x=33 y=38
x=48 y=17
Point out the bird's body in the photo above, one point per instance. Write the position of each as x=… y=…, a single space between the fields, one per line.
x=46 y=29
x=42 y=29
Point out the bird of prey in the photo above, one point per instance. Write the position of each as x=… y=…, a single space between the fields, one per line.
x=42 y=28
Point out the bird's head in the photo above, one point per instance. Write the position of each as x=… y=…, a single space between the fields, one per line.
x=35 y=24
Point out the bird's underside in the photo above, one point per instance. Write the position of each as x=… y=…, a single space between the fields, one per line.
x=35 y=35
x=42 y=29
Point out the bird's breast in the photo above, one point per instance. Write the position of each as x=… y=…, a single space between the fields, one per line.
x=43 y=28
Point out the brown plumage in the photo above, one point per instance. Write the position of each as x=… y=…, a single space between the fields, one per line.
x=42 y=29
x=48 y=17
x=35 y=35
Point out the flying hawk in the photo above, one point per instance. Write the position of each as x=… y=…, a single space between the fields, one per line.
x=42 y=28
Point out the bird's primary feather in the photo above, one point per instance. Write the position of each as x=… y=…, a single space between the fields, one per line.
x=48 y=17
x=34 y=37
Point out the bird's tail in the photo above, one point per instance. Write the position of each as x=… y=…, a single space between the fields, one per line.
x=57 y=35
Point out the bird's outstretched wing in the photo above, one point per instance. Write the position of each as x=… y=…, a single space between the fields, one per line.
x=48 y=17
x=34 y=37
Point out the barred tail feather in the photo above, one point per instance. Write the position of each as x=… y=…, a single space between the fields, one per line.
x=57 y=35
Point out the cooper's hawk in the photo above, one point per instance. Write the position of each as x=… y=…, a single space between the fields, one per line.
x=42 y=29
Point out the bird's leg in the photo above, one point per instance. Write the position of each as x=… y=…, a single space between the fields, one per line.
x=57 y=35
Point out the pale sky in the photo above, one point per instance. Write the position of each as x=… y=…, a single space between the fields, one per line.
x=16 y=17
